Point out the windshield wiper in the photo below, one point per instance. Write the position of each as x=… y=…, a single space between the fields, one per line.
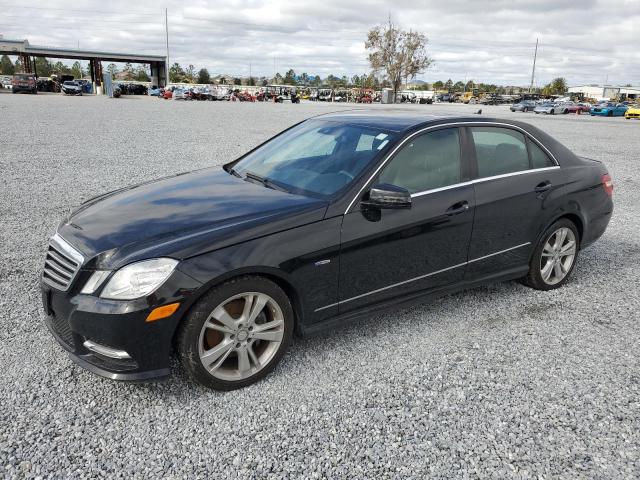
x=232 y=171
x=264 y=181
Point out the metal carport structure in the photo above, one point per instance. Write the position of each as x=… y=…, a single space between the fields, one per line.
x=27 y=52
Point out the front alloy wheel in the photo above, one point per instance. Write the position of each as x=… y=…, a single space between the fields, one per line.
x=554 y=257
x=236 y=334
x=241 y=336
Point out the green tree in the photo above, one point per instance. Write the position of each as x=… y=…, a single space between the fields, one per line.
x=251 y=81
x=559 y=86
x=237 y=81
x=458 y=86
x=448 y=85
x=112 y=69
x=400 y=54
x=278 y=79
x=190 y=74
x=304 y=79
x=204 y=77
x=290 y=77
x=469 y=86
x=76 y=70
x=60 y=68
x=176 y=73
x=142 y=75
x=439 y=85
x=43 y=67
x=6 y=65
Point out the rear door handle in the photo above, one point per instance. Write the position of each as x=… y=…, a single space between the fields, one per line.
x=457 y=208
x=543 y=187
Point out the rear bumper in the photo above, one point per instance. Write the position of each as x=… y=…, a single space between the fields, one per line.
x=596 y=228
x=92 y=329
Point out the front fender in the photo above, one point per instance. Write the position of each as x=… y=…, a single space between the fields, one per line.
x=303 y=260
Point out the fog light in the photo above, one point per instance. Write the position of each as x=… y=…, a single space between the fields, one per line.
x=106 y=351
x=162 y=312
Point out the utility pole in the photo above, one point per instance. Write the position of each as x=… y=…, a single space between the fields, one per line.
x=166 y=25
x=533 y=71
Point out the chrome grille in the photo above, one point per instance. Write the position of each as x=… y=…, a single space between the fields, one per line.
x=61 y=264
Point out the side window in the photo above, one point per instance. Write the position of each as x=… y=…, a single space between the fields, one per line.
x=426 y=162
x=499 y=151
x=539 y=159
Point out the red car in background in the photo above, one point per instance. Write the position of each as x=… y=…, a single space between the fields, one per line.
x=167 y=94
x=573 y=107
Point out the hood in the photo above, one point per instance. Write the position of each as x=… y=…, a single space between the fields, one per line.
x=182 y=216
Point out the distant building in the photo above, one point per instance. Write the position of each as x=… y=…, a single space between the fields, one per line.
x=605 y=92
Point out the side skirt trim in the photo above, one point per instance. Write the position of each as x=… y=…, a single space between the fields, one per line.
x=404 y=282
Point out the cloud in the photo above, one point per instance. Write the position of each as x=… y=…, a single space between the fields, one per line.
x=585 y=41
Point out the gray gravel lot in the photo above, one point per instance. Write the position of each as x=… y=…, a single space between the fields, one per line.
x=497 y=382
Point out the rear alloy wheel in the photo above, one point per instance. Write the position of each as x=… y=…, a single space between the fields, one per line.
x=554 y=258
x=237 y=333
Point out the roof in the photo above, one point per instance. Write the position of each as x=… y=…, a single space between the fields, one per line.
x=389 y=119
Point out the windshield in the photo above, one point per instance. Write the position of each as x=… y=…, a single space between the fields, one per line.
x=316 y=157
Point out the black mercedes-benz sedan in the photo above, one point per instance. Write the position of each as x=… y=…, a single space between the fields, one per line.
x=337 y=217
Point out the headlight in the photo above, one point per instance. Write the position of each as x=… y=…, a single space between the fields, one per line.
x=139 y=279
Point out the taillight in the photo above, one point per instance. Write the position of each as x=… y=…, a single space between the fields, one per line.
x=607 y=184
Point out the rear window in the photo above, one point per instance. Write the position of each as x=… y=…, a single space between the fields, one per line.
x=22 y=77
x=539 y=159
x=499 y=151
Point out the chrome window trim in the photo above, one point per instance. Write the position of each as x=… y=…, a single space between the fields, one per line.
x=481 y=180
x=382 y=289
x=456 y=124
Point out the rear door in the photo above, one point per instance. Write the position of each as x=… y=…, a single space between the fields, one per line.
x=514 y=177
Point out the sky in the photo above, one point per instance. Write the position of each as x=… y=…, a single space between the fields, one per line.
x=490 y=41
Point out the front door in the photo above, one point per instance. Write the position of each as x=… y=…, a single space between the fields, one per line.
x=388 y=253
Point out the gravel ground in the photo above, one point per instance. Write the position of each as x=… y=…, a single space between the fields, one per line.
x=498 y=382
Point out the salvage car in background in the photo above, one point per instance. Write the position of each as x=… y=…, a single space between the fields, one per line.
x=632 y=112
x=609 y=109
x=546 y=108
x=337 y=217
x=71 y=87
x=523 y=106
x=24 y=82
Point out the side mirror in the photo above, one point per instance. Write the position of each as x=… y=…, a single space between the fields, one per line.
x=385 y=195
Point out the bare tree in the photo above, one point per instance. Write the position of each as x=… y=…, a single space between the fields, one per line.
x=398 y=53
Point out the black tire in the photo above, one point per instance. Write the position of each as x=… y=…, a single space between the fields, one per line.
x=534 y=277
x=188 y=334
x=552 y=112
x=610 y=114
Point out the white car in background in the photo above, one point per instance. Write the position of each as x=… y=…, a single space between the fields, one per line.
x=180 y=94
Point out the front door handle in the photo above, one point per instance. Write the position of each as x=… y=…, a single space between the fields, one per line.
x=543 y=187
x=457 y=208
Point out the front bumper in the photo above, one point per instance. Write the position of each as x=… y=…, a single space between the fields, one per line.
x=81 y=322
